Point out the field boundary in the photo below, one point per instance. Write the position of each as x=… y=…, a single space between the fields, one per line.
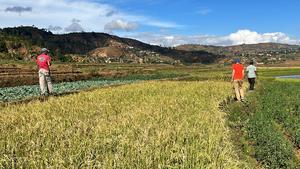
x=45 y=98
x=237 y=135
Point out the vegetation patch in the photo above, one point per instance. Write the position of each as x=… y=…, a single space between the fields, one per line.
x=267 y=125
x=26 y=92
x=144 y=125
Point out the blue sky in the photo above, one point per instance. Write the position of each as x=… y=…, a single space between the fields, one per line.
x=220 y=17
x=164 y=22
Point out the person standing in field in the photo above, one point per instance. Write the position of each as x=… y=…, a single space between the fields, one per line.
x=252 y=74
x=237 y=79
x=43 y=62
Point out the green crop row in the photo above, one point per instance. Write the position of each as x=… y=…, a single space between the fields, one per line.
x=281 y=100
x=26 y=92
x=271 y=147
x=268 y=124
x=272 y=72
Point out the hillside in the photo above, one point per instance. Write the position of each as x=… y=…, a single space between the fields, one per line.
x=263 y=52
x=23 y=43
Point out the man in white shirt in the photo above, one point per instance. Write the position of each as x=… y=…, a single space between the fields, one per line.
x=252 y=74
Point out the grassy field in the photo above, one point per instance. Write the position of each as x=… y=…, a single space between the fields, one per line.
x=145 y=125
x=186 y=122
x=282 y=71
x=268 y=125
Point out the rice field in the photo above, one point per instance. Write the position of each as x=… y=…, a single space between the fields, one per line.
x=144 y=125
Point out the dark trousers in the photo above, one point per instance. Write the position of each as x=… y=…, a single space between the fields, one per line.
x=251 y=82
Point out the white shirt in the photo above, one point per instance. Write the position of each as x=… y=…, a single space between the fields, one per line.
x=251 y=71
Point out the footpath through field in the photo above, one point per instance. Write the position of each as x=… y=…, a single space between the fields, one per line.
x=145 y=125
x=267 y=126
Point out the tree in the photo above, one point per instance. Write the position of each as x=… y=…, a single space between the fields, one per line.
x=61 y=57
x=3 y=48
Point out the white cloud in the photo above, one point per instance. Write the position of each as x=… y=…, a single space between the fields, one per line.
x=237 y=38
x=74 y=27
x=251 y=37
x=161 y=24
x=175 y=40
x=120 y=24
x=60 y=12
x=110 y=13
x=18 y=9
x=94 y=15
x=54 y=28
x=204 y=11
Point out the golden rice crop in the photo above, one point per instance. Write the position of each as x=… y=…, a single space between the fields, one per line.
x=144 y=125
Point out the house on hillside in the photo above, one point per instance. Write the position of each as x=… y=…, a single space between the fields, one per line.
x=140 y=61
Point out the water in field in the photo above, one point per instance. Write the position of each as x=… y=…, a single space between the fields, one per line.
x=289 y=77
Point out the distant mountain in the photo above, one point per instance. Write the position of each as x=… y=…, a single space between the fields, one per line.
x=24 y=43
x=261 y=47
x=262 y=52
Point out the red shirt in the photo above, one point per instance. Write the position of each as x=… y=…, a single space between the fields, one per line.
x=42 y=61
x=238 y=71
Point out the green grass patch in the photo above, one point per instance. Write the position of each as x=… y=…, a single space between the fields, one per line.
x=268 y=124
x=273 y=72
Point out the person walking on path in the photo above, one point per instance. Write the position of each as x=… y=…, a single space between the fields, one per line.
x=43 y=62
x=252 y=74
x=237 y=79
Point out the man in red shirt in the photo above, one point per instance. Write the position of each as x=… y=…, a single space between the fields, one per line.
x=237 y=79
x=43 y=62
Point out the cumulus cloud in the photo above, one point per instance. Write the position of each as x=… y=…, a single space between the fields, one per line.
x=94 y=15
x=175 y=40
x=120 y=24
x=110 y=13
x=18 y=9
x=55 y=28
x=251 y=37
x=237 y=38
x=75 y=20
x=75 y=26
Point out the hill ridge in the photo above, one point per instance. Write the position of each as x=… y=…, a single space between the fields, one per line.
x=23 y=42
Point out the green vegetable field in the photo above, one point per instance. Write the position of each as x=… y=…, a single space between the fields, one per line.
x=270 y=124
x=26 y=92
